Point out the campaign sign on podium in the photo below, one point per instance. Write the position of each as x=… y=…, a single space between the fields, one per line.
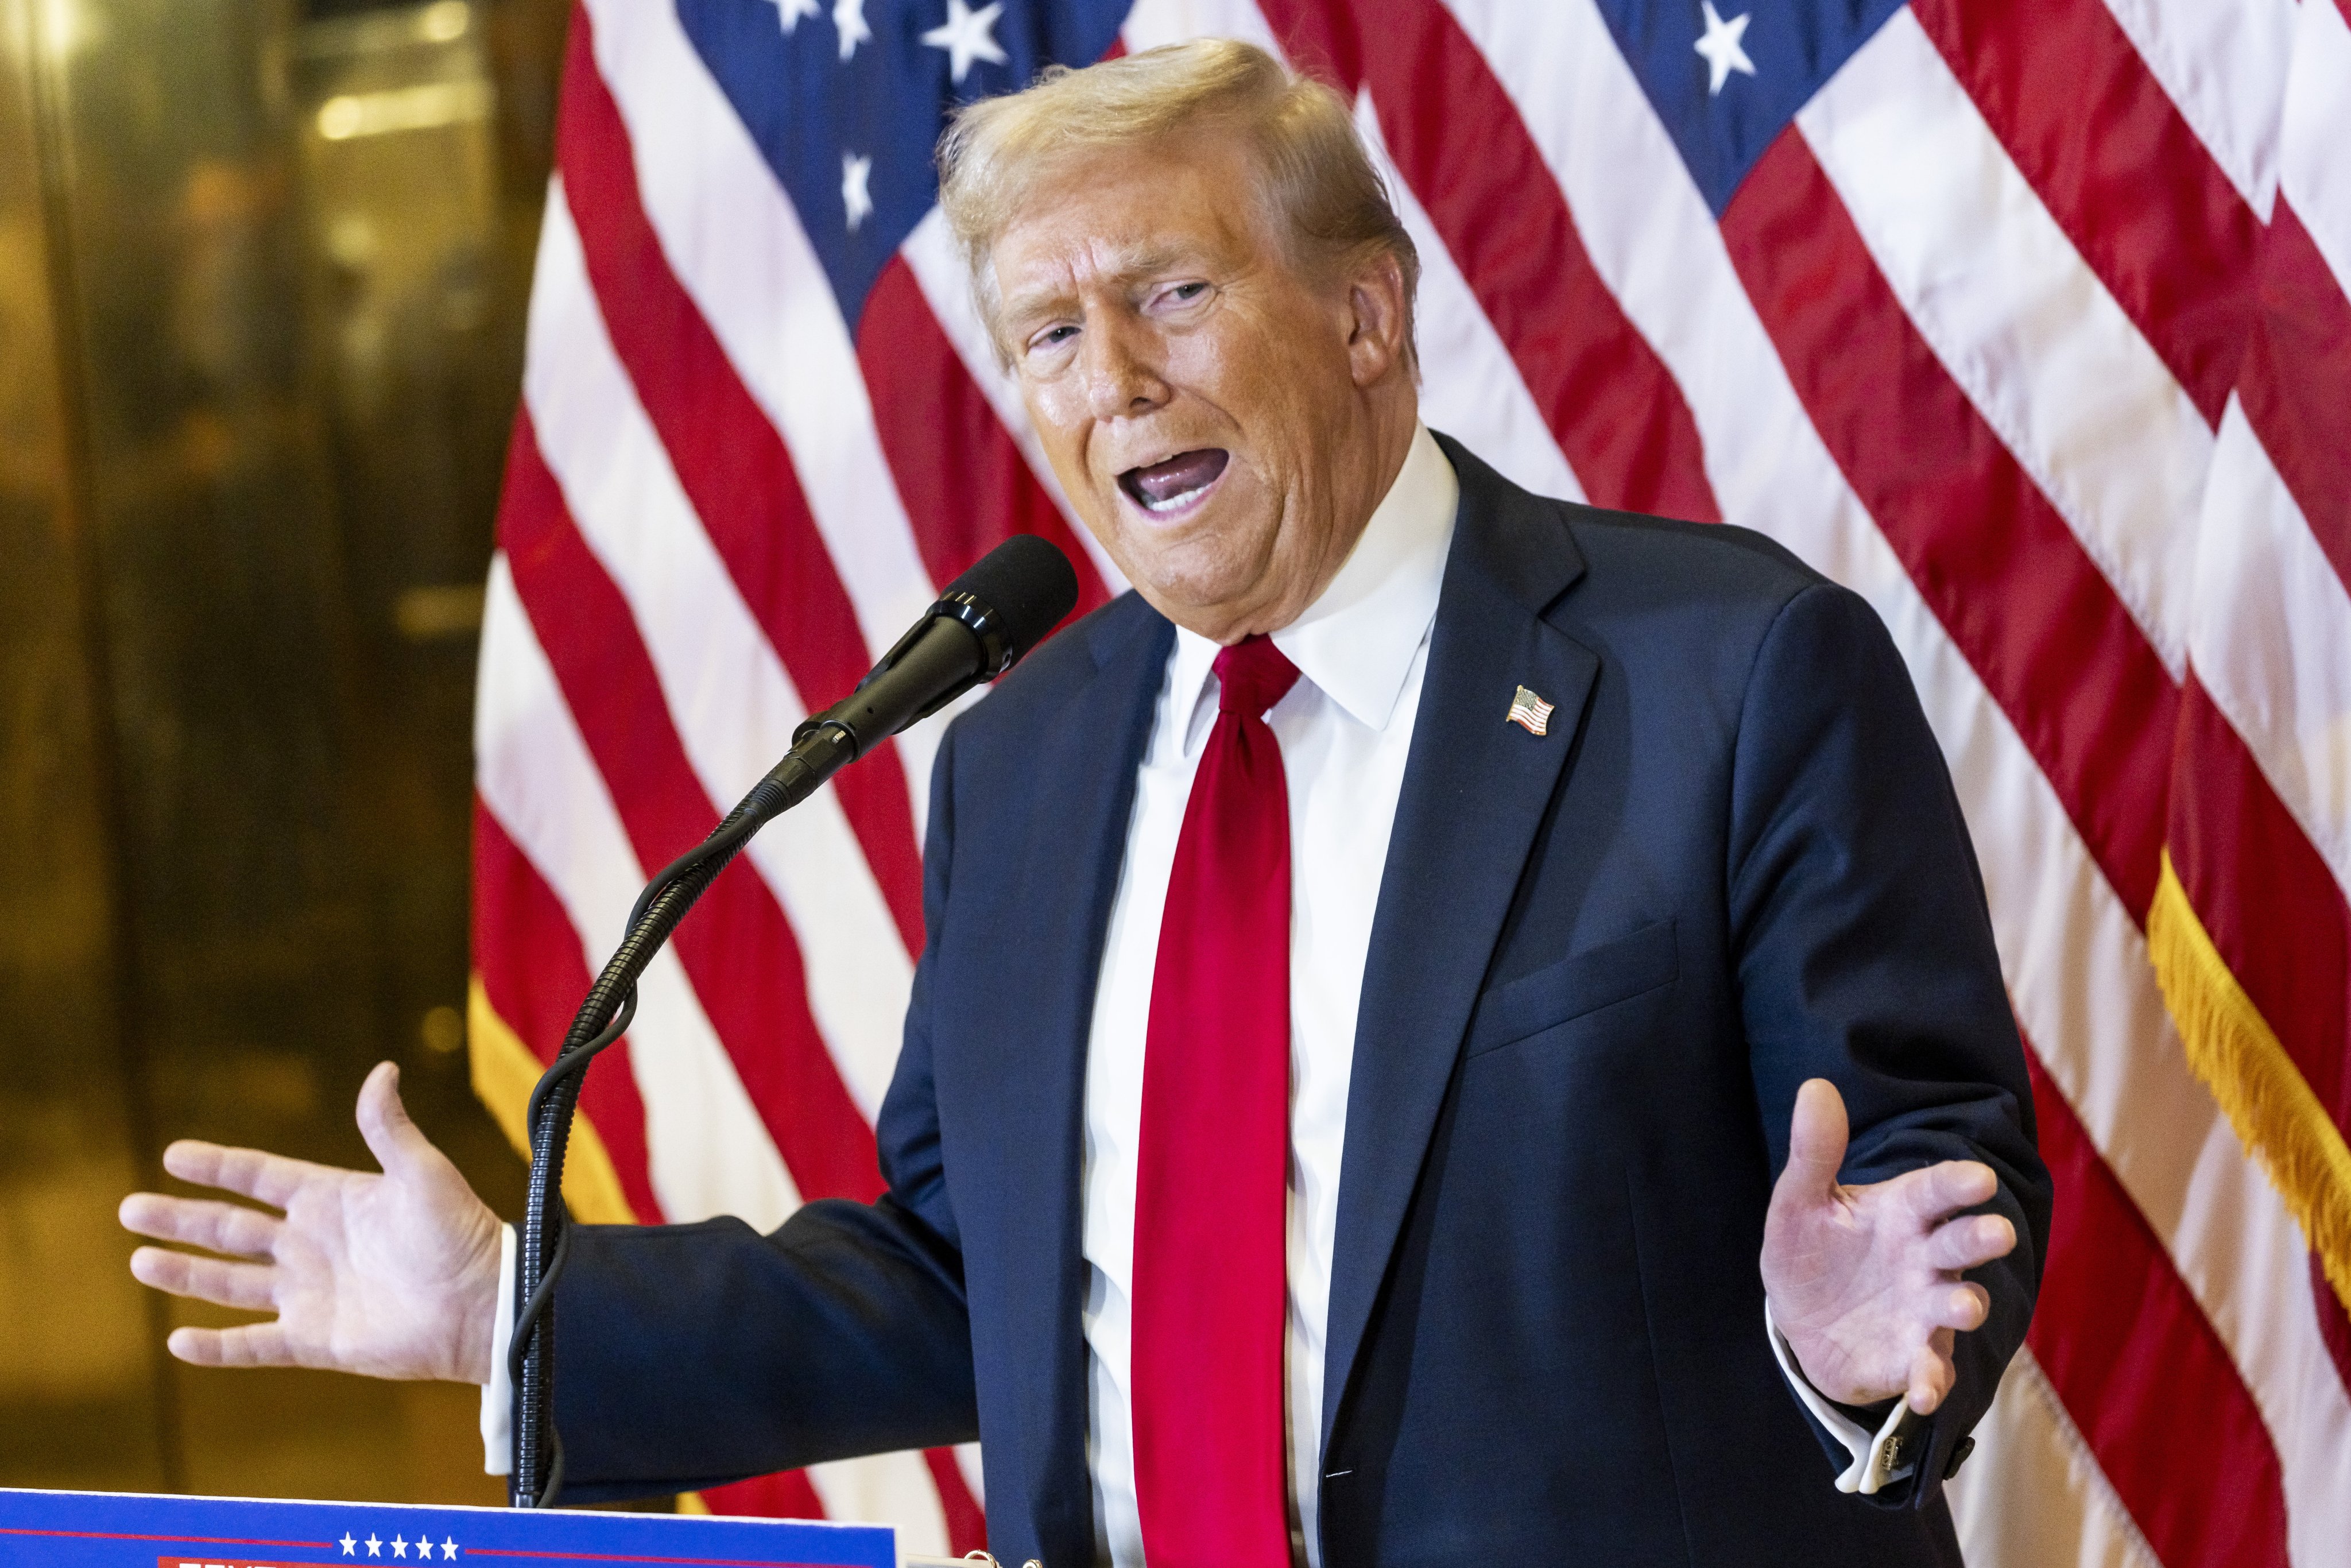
x=114 y=1530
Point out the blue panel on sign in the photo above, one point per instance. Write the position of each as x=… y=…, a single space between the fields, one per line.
x=111 y=1530
x=1726 y=78
x=846 y=100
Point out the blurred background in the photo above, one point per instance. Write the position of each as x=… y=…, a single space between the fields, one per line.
x=263 y=271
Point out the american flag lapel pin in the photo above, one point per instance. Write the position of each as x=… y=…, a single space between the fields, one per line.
x=1530 y=712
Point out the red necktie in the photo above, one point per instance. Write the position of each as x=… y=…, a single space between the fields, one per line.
x=1211 y=1187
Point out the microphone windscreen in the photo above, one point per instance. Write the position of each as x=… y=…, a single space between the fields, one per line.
x=1026 y=583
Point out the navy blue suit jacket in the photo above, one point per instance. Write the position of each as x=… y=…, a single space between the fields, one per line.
x=1602 y=963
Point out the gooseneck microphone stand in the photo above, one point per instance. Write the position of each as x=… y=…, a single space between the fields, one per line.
x=986 y=621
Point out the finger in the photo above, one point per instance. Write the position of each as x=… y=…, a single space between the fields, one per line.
x=266 y=1178
x=250 y=1345
x=1932 y=1373
x=1963 y=1306
x=395 y=1141
x=1969 y=1242
x=1816 y=1141
x=249 y=1286
x=208 y=1223
x=1944 y=1189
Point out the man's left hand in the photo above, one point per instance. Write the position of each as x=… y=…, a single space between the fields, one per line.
x=1865 y=1280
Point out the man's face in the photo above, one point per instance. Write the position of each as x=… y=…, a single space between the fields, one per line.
x=1223 y=423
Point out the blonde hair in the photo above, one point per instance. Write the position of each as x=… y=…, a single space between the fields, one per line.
x=1317 y=179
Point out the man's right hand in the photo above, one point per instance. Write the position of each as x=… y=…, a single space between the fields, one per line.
x=392 y=1276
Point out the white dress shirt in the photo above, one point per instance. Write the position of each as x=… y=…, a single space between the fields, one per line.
x=1344 y=730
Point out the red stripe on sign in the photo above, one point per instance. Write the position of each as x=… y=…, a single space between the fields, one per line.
x=531 y=963
x=738 y=948
x=1466 y=155
x=965 y=484
x=2147 y=1380
x=967 y=1525
x=731 y=461
x=2107 y=151
x=2296 y=381
x=2010 y=583
x=2273 y=907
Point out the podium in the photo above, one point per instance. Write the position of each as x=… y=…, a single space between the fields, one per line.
x=116 y=1530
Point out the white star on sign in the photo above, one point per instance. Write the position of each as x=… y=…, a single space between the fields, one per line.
x=373 y=1544
x=398 y=1547
x=448 y=1548
x=1720 y=48
x=967 y=35
x=849 y=20
x=789 y=12
x=348 y=1544
x=854 y=198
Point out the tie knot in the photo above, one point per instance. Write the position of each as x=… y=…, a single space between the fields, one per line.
x=1253 y=676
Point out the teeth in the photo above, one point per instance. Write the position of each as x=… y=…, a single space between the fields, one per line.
x=1172 y=502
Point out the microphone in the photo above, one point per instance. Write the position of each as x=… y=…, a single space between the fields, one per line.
x=981 y=625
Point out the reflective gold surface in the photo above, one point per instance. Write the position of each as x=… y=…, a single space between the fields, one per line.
x=261 y=286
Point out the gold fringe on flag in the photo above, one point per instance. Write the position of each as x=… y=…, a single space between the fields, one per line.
x=2238 y=1057
x=504 y=1071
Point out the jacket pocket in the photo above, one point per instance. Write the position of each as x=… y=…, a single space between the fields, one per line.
x=1615 y=971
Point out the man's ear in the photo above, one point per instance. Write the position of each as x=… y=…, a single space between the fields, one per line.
x=1379 y=335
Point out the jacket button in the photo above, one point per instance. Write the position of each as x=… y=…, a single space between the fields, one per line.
x=1959 y=1453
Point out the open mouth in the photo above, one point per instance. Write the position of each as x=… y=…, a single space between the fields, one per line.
x=1166 y=489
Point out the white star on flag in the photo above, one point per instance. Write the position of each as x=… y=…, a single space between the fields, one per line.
x=854 y=198
x=849 y=20
x=967 y=35
x=789 y=12
x=1722 y=48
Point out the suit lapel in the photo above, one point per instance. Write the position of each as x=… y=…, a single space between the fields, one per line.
x=1475 y=790
x=1084 y=777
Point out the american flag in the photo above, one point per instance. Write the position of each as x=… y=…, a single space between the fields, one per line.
x=2028 y=321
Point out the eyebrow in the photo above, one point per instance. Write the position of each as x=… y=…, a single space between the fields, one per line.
x=1140 y=262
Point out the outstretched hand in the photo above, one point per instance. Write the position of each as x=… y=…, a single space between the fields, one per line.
x=1865 y=1280
x=392 y=1276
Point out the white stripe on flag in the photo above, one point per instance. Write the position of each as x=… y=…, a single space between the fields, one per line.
x=1468 y=380
x=896 y=1486
x=2019 y=319
x=2272 y=640
x=726 y=689
x=735 y=244
x=2314 y=167
x=707 y=1150
x=2224 y=66
x=2032 y=1488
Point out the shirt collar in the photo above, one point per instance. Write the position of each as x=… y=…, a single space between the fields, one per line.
x=1356 y=641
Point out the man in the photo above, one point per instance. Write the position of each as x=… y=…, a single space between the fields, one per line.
x=1373 y=974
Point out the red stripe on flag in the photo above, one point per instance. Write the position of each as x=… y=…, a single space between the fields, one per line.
x=789 y=1494
x=1461 y=146
x=967 y=1525
x=734 y=465
x=2271 y=904
x=2296 y=381
x=965 y=484
x=2110 y=156
x=527 y=953
x=2148 y=1383
x=2041 y=625
x=737 y=947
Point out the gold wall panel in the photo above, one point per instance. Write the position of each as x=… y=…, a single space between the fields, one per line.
x=262 y=280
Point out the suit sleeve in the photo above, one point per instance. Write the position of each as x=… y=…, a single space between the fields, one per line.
x=692 y=1355
x=1865 y=957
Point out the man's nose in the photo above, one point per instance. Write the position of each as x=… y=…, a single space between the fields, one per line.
x=1121 y=377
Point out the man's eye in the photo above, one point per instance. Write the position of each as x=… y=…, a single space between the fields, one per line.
x=1187 y=292
x=1052 y=337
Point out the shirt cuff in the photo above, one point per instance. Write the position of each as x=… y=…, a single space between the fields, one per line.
x=497 y=1394
x=1877 y=1460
